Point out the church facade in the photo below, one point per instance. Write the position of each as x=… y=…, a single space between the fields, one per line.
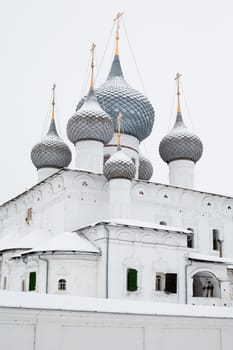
x=103 y=229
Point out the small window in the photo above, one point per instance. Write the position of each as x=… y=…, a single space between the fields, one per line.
x=171 y=283
x=5 y=282
x=190 y=238
x=159 y=281
x=29 y=216
x=132 y=280
x=32 y=281
x=215 y=239
x=163 y=223
x=62 y=284
x=23 y=285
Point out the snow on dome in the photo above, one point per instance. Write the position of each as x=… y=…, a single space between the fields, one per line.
x=180 y=143
x=51 y=151
x=90 y=122
x=65 y=241
x=145 y=170
x=119 y=165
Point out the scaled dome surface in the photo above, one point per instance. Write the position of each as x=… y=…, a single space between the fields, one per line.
x=90 y=122
x=117 y=96
x=51 y=151
x=119 y=165
x=145 y=170
x=180 y=143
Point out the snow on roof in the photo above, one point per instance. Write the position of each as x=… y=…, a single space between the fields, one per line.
x=210 y=258
x=30 y=240
x=65 y=241
x=32 y=300
x=137 y=223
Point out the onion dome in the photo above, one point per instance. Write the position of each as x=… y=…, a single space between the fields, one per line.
x=51 y=151
x=119 y=166
x=117 y=96
x=145 y=170
x=180 y=143
x=90 y=122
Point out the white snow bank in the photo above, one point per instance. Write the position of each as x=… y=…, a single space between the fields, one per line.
x=35 y=300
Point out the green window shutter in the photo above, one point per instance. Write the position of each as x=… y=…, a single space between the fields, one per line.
x=132 y=280
x=32 y=281
x=171 y=283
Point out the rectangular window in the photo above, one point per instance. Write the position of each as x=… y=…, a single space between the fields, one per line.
x=190 y=238
x=159 y=281
x=32 y=281
x=132 y=280
x=171 y=283
x=23 y=286
x=4 y=282
x=29 y=216
x=215 y=239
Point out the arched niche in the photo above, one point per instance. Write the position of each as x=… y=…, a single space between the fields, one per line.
x=83 y=183
x=140 y=191
x=206 y=285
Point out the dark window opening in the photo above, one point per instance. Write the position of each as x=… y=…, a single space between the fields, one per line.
x=4 y=282
x=159 y=282
x=132 y=280
x=171 y=283
x=32 y=281
x=190 y=238
x=62 y=284
x=23 y=286
x=163 y=223
x=215 y=239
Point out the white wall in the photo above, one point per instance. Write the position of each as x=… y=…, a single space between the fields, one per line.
x=148 y=327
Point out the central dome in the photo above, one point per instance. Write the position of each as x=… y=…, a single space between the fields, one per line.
x=117 y=96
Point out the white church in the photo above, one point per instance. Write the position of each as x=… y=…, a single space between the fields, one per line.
x=103 y=230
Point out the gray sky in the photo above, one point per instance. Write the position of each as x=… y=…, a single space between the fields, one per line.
x=49 y=41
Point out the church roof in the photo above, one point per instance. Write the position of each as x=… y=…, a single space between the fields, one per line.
x=30 y=240
x=65 y=241
x=138 y=224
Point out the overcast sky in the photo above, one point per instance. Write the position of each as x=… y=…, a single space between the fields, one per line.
x=49 y=41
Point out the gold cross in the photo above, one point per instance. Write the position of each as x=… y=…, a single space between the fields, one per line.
x=53 y=100
x=178 y=76
x=119 y=117
x=93 y=46
x=117 y=20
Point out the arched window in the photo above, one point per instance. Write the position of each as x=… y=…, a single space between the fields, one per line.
x=190 y=238
x=132 y=280
x=62 y=284
x=206 y=285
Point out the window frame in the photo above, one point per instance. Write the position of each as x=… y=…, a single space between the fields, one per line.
x=32 y=281
x=62 y=285
x=131 y=280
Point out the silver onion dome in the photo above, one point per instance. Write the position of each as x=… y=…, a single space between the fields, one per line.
x=90 y=122
x=180 y=143
x=119 y=165
x=117 y=96
x=145 y=170
x=51 y=151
